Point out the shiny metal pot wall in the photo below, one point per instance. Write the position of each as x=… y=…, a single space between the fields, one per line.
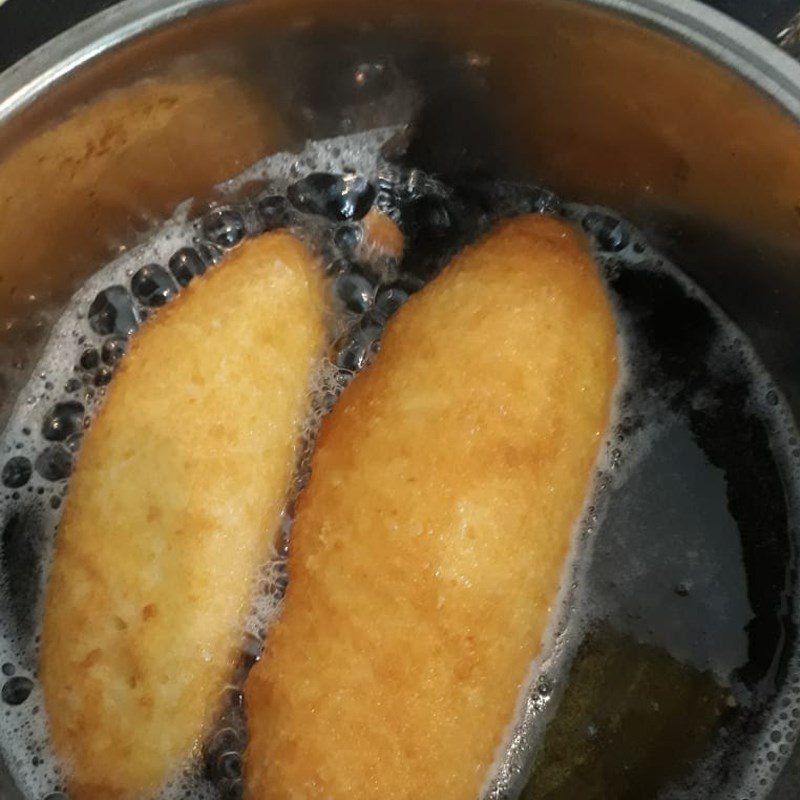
x=674 y=115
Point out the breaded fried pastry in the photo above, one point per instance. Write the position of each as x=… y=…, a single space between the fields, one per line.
x=430 y=542
x=178 y=489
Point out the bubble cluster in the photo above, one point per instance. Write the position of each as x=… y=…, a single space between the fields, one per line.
x=63 y=420
x=112 y=311
x=54 y=463
x=337 y=197
x=186 y=264
x=152 y=286
x=328 y=195
x=16 y=472
x=355 y=290
x=275 y=211
x=16 y=690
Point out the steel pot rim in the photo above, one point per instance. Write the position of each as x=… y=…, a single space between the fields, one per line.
x=713 y=33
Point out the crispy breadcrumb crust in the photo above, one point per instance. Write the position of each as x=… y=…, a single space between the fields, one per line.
x=178 y=487
x=430 y=542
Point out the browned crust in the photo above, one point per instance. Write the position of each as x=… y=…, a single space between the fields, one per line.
x=179 y=482
x=430 y=542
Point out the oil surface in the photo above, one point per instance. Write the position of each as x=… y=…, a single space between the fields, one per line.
x=683 y=575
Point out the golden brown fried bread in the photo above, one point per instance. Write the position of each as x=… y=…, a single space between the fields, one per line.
x=171 y=510
x=82 y=181
x=430 y=541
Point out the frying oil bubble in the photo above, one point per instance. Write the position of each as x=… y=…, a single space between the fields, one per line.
x=324 y=194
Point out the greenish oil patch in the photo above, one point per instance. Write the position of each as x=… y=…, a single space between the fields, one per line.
x=632 y=721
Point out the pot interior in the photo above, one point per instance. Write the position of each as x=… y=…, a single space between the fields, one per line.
x=599 y=108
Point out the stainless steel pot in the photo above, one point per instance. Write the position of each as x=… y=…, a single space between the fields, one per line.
x=673 y=114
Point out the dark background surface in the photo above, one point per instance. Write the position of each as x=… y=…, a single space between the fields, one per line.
x=25 y=24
